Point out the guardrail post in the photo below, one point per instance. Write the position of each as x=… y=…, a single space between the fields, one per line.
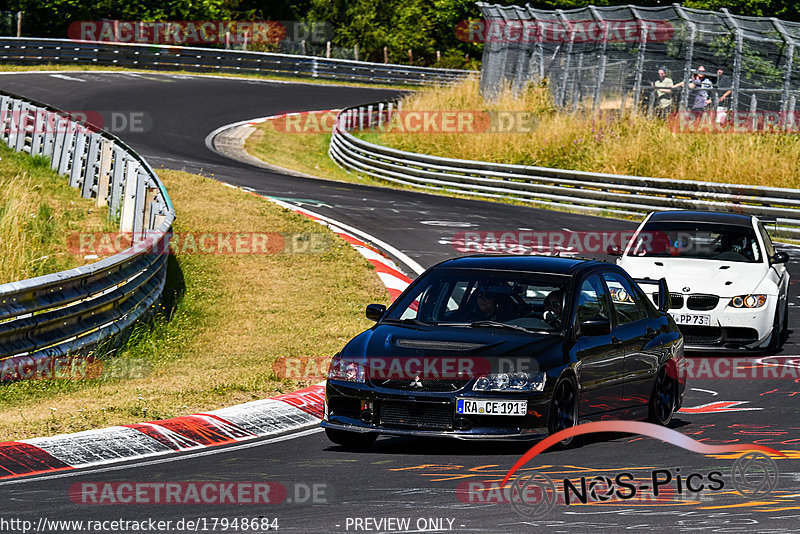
x=22 y=126
x=92 y=164
x=66 y=146
x=5 y=106
x=140 y=203
x=103 y=175
x=369 y=117
x=39 y=126
x=59 y=136
x=78 y=158
x=360 y=118
x=128 y=212
x=13 y=131
x=380 y=114
x=117 y=183
x=50 y=131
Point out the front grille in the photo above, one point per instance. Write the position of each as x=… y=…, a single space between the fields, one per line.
x=428 y=384
x=701 y=335
x=676 y=300
x=702 y=302
x=421 y=415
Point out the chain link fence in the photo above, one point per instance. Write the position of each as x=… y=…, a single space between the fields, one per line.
x=609 y=57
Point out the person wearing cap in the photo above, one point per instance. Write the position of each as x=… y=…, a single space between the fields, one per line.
x=700 y=86
x=663 y=92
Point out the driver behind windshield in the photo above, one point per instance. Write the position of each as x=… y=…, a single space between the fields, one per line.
x=492 y=305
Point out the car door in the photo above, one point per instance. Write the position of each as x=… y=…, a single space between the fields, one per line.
x=600 y=363
x=778 y=272
x=631 y=332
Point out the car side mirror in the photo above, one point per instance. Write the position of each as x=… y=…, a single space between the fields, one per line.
x=779 y=257
x=596 y=327
x=664 y=298
x=375 y=311
x=613 y=250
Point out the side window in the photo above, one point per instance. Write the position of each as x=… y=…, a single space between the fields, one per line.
x=592 y=300
x=768 y=247
x=625 y=300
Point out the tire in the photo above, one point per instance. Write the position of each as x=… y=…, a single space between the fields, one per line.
x=785 y=329
x=351 y=440
x=662 y=400
x=776 y=340
x=564 y=408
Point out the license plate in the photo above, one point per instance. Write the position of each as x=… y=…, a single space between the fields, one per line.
x=491 y=407
x=703 y=319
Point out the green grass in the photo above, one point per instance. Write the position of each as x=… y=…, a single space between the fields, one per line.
x=224 y=322
x=38 y=211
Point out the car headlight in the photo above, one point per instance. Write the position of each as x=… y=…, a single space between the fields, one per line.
x=341 y=369
x=748 y=301
x=510 y=382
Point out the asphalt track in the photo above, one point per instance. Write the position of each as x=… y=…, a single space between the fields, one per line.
x=401 y=477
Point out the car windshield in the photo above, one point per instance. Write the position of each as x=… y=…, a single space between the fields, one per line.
x=699 y=240
x=491 y=299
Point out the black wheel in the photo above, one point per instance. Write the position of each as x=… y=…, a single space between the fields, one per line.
x=564 y=408
x=351 y=440
x=662 y=401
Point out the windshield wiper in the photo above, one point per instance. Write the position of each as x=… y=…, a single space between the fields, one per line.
x=497 y=324
x=406 y=321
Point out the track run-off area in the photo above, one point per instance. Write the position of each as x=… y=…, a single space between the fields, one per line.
x=425 y=481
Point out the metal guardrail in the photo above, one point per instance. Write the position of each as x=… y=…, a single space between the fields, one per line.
x=51 y=316
x=28 y=51
x=555 y=188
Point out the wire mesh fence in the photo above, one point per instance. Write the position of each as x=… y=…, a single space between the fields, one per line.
x=610 y=57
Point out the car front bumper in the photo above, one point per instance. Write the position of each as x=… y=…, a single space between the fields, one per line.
x=429 y=414
x=731 y=329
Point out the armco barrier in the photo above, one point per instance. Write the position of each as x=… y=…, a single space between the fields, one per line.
x=34 y=51
x=57 y=314
x=578 y=190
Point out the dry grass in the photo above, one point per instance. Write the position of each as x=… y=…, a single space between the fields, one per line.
x=38 y=210
x=234 y=315
x=601 y=143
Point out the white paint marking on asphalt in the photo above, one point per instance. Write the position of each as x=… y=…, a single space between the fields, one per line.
x=714 y=393
x=65 y=77
x=403 y=257
x=184 y=456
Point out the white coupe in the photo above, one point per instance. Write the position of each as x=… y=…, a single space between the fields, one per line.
x=728 y=285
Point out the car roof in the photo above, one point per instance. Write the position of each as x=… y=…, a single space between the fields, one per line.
x=734 y=219
x=538 y=264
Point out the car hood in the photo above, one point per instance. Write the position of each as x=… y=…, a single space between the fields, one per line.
x=714 y=277
x=480 y=349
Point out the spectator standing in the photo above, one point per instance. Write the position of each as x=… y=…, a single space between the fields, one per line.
x=724 y=86
x=663 y=92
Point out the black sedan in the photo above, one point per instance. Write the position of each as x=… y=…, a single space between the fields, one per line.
x=499 y=347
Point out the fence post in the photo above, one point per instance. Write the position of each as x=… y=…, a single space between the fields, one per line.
x=753 y=103
x=637 y=80
x=787 y=69
x=737 y=60
x=687 y=68
x=567 y=59
x=601 y=71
